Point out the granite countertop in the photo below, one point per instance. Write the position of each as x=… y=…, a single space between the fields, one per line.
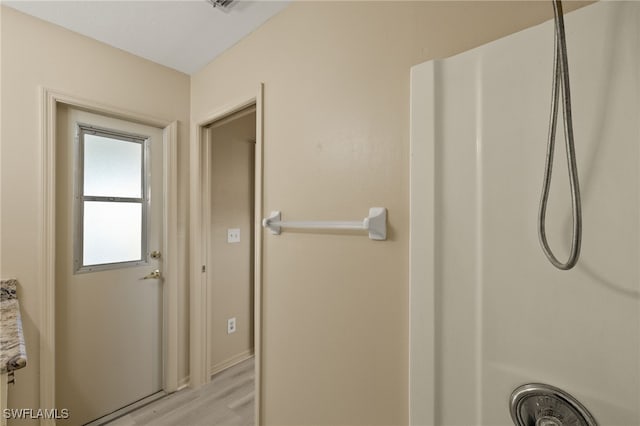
x=13 y=352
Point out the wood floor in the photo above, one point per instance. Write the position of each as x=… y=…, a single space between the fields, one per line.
x=228 y=400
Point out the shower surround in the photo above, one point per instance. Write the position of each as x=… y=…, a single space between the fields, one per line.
x=489 y=313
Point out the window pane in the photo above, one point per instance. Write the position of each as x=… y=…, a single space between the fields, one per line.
x=112 y=232
x=112 y=168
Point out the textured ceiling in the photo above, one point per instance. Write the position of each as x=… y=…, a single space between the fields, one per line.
x=181 y=34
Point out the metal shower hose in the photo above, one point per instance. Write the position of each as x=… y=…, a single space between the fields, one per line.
x=561 y=71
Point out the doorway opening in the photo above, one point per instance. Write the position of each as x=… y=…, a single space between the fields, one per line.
x=226 y=249
x=228 y=227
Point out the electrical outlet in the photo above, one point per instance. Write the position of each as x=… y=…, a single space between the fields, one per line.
x=233 y=235
x=231 y=325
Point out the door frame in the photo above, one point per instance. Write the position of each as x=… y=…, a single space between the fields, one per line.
x=49 y=101
x=422 y=249
x=197 y=243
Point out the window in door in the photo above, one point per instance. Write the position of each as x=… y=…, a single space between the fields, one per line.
x=111 y=199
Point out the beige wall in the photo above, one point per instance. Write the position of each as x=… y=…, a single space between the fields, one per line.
x=231 y=265
x=36 y=54
x=336 y=123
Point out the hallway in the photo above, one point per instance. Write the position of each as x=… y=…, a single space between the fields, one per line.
x=228 y=399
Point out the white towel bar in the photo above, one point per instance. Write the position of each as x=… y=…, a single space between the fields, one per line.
x=375 y=223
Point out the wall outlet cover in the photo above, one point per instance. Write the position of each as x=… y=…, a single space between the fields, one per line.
x=231 y=325
x=233 y=235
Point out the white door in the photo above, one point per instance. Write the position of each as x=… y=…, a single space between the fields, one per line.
x=108 y=226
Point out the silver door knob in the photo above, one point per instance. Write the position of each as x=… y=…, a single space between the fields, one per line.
x=154 y=274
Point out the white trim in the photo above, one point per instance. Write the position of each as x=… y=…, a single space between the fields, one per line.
x=422 y=265
x=198 y=292
x=46 y=256
x=197 y=332
x=257 y=254
x=230 y=362
x=232 y=117
x=170 y=256
x=183 y=383
x=206 y=151
x=227 y=110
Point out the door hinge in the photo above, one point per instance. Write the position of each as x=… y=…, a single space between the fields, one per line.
x=204 y=268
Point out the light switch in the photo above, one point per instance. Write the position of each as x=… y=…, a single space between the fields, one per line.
x=233 y=235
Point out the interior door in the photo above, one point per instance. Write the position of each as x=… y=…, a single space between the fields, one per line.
x=108 y=268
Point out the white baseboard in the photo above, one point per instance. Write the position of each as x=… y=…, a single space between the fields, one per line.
x=183 y=383
x=230 y=362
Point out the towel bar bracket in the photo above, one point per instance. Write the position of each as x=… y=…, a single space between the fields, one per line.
x=268 y=222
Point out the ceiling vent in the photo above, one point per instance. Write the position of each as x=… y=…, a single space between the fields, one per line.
x=224 y=5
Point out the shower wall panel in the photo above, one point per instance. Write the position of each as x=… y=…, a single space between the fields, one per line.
x=501 y=314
